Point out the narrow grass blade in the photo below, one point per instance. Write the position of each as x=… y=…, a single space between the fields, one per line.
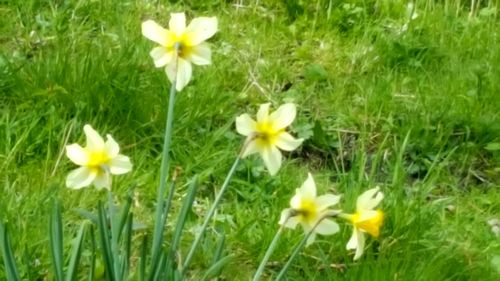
x=209 y=215
x=93 y=251
x=219 y=248
x=181 y=220
x=76 y=253
x=56 y=241
x=144 y=258
x=127 y=245
x=296 y=252
x=269 y=251
x=160 y=226
x=216 y=268
x=8 y=258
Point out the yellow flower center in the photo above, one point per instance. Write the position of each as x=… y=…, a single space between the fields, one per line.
x=184 y=45
x=371 y=225
x=97 y=158
x=308 y=211
x=266 y=134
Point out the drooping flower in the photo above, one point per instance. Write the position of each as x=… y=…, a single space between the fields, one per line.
x=268 y=133
x=310 y=211
x=367 y=219
x=98 y=160
x=180 y=45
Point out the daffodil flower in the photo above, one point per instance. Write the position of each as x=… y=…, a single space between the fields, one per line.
x=98 y=160
x=180 y=45
x=365 y=220
x=310 y=211
x=268 y=133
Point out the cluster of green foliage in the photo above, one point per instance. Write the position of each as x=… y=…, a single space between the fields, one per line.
x=407 y=100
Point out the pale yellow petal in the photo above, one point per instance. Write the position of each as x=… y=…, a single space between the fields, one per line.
x=155 y=33
x=353 y=241
x=177 y=23
x=80 y=177
x=77 y=154
x=327 y=200
x=327 y=227
x=251 y=148
x=200 y=54
x=111 y=147
x=245 y=125
x=263 y=113
x=286 y=142
x=369 y=199
x=160 y=56
x=94 y=141
x=308 y=188
x=361 y=245
x=283 y=116
x=291 y=222
x=184 y=72
x=200 y=29
x=102 y=180
x=311 y=239
x=120 y=165
x=296 y=201
x=272 y=159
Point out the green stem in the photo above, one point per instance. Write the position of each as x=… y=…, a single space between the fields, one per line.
x=210 y=215
x=158 y=233
x=270 y=250
x=299 y=247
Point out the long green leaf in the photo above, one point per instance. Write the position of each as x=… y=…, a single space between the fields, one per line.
x=159 y=229
x=186 y=206
x=56 y=241
x=93 y=253
x=8 y=257
x=144 y=257
x=105 y=243
x=215 y=269
x=76 y=253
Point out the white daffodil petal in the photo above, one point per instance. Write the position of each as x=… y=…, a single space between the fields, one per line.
x=263 y=113
x=353 y=241
x=369 y=199
x=272 y=159
x=283 y=116
x=292 y=222
x=327 y=227
x=308 y=188
x=94 y=140
x=177 y=23
x=361 y=245
x=200 y=54
x=111 y=147
x=296 y=201
x=311 y=239
x=102 y=180
x=171 y=70
x=77 y=154
x=245 y=125
x=154 y=32
x=200 y=29
x=184 y=72
x=367 y=215
x=120 y=165
x=160 y=56
x=80 y=177
x=286 y=142
x=251 y=148
x=327 y=200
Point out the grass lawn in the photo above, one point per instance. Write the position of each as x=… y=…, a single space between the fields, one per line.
x=390 y=96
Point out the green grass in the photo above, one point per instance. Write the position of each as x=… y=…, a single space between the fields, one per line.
x=415 y=111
